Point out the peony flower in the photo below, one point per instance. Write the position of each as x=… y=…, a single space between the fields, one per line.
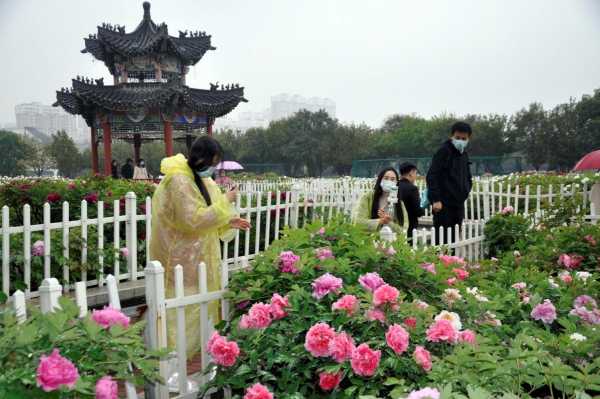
x=341 y=347
x=451 y=317
x=326 y=284
x=124 y=252
x=546 y=312
x=589 y=316
x=224 y=352
x=519 y=286
x=425 y=393
x=552 y=283
x=329 y=381
x=507 y=210
x=450 y=296
x=55 y=371
x=565 y=277
x=385 y=294
x=318 y=338
x=106 y=388
x=421 y=305
x=448 y=260
x=397 y=338
x=570 y=261
x=489 y=318
x=583 y=301
x=71 y=186
x=278 y=305
x=577 y=337
x=429 y=267
x=324 y=253
x=467 y=336
x=375 y=314
x=259 y=316
x=321 y=231
x=410 y=322
x=451 y=281
x=442 y=330
x=37 y=249
x=590 y=240
x=109 y=317
x=365 y=360
x=371 y=281
x=348 y=303
x=91 y=198
x=583 y=276
x=461 y=274
x=287 y=262
x=258 y=391
x=53 y=198
x=422 y=358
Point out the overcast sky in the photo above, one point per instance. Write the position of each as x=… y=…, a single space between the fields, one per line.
x=372 y=57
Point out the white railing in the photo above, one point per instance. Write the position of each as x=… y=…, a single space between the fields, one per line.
x=466 y=240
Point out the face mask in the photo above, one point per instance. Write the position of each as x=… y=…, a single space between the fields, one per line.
x=208 y=172
x=388 y=186
x=142 y=164
x=460 y=145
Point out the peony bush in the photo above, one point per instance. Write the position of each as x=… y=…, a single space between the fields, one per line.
x=360 y=322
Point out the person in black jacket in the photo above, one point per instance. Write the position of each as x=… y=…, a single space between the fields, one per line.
x=449 y=180
x=408 y=193
x=127 y=169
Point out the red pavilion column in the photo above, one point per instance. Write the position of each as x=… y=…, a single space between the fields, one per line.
x=168 y=130
x=137 y=145
x=94 y=143
x=107 y=139
x=210 y=126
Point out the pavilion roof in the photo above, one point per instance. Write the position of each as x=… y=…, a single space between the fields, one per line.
x=147 y=38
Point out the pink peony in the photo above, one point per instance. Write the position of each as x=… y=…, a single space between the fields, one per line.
x=365 y=360
x=410 y=322
x=590 y=240
x=451 y=281
x=519 y=286
x=55 y=371
x=259 y=316
x=53 y=197
x=507 y=210
x=326 y=284
x=371 y=281
x=425 y=393
x=321 y=231
x=106 y=388
x=224 y=352
x=467 y=336
x=422 y=358
x=430 y=267
x=341 y=347
x=37 y=249
x=589 y=316
x=448 y=260
x=442 y=330
x=258 y=391
x=421 y=305
x=376 y=314
x=397 y=338
x=329 y=381
x=583 y=301
x=390 y=251
x=570 y=261
x=324 y=253
x=278 y=305
x=348 y=303
x=318 y=338
x=71 y=186
x=109 y=317
x=460 y=274
x=91 y=198
x=124 y=252
x=565 y=277
x=546 y=312
x=385 y=294
x=287 y=262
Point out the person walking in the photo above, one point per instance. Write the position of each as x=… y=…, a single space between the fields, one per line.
x=127 y=169
x=114 y=169
x=408 y=193
x=140 y=172
x=449 y=180
x=190 y=215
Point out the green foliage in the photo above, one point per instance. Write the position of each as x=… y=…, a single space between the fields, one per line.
x=502 y=232
x=14 y=152
x=95 y=352
x=65 y=153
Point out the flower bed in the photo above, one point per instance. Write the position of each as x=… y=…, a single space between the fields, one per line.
x=326 y=313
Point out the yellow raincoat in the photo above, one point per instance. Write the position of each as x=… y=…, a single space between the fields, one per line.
x=361 y=215
x=186 y=232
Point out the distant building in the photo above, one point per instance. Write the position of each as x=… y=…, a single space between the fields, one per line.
x=286 y=105
x=48 y=120
x=245 y=120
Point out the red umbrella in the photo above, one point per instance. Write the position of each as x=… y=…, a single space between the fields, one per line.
x=590 y=161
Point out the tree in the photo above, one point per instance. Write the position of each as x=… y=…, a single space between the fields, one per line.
x=66 y=155
x=529 y=133
x=39 y=160
x=15 y=152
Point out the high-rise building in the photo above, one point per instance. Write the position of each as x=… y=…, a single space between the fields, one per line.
x=286 y=105
x=49 y=120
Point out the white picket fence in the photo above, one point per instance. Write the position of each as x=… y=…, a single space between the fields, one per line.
x=465 y=241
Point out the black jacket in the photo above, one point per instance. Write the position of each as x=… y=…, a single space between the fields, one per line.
x=127 y=171
x=449 y=176
x=408 y=193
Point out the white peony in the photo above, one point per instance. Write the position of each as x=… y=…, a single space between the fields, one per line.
x=577 y=337
x=451 y=317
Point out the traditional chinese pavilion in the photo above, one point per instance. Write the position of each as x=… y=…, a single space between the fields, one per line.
x=148 y=99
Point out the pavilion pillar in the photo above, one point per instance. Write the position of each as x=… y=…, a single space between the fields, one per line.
x=209 y=127
x=107 y=139
x=188 y=142
x=168 y=131
x=137 y=145
x=94 y=144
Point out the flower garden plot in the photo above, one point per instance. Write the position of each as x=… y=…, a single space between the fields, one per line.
x=326 y=312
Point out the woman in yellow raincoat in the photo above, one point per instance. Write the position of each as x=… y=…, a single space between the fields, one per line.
x=373 y=209
x=189 y=216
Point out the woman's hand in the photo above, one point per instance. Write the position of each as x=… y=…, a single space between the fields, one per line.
x=384 y=218
x=239 y=223
x=231 y=195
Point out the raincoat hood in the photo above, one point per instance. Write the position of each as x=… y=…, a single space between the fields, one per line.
x=175 y=165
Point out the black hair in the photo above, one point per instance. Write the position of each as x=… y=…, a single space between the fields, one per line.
x=114 y=162
x=201 y=157
x=379 y=192
x=406 y=168
x=462 y=127
x=140 y=161
x=129 y=160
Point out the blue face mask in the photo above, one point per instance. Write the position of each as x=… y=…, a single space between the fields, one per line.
x=208 y=172
x=388 y=186
x=460 y=145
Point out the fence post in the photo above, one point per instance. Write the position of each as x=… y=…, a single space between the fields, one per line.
x=50 y=291
x=156 y=315
x=131 y=211
x=113 y=292
x=295 y=206
x=81 y=298
x=5 y=250
x=486 y=200
x=19 y=306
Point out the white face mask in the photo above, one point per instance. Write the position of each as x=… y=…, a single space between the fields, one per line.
x=388 y=186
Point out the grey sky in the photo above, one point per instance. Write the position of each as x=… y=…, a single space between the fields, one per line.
x=372 y=57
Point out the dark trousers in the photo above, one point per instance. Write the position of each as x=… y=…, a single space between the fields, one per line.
x=449 y=216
